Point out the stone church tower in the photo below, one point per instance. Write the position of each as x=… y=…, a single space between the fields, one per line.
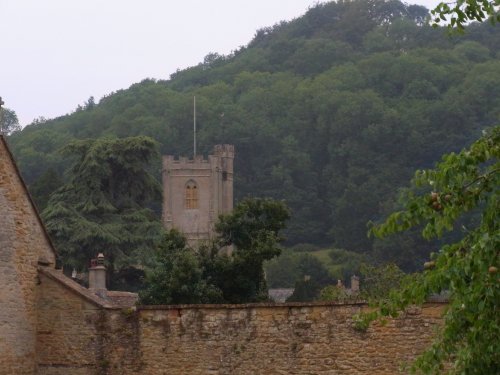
x=196 y=192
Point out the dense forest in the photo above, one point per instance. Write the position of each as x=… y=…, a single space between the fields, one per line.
x=331 y=112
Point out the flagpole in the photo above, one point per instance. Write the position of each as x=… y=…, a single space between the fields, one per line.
x=194 y=126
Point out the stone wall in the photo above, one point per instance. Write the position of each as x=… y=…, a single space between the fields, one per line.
x=23 y=245
x=279 y=339
x=69 y=340
x=234 y=339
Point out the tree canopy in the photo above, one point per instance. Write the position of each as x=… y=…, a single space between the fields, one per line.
x=467 y=270
x=227 y=270
x=103 y=206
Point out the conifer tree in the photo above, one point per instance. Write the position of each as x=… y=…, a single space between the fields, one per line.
x=104 y=205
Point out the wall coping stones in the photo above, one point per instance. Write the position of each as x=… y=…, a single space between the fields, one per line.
x=267 y=305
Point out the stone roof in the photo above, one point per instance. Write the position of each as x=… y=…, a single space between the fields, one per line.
x=122 y=299
x=62 y=279
x=108 y=299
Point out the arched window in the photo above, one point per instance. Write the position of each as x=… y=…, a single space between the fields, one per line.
x=191 y=201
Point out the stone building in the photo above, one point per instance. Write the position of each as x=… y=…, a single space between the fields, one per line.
x=39 y=306
x=196 y=191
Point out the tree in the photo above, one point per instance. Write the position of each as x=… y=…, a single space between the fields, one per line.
x=379 y=281
x=462 y=12
x=468 y=269
x=44 y=186
x=176 y=277
x=211 y=274
x=313 y=276
x=253 y=229
x=8 y=121
x=104 y=205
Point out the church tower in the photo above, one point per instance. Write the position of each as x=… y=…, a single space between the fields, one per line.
x=197 y=191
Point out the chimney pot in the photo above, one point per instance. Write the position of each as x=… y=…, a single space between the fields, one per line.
x=97 y=273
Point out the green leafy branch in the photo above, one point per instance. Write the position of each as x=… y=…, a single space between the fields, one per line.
x=466 y=270
x=463 y=11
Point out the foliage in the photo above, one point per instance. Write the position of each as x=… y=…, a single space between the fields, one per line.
x=8 y=121
x=378 y=282
x=253 y=227
x=334 y=293
x=331 y=112
x=253 y=230
x=338 y=264
x=347 y=263
x=177 y=277
x=44 y=186
x=213 y=274
x=461 y=12
x=103 y=205
x=466 y=269
x=311 y=278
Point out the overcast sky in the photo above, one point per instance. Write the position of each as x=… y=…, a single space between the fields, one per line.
x=55 y=54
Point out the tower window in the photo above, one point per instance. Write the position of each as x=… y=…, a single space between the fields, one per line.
x=191 y=201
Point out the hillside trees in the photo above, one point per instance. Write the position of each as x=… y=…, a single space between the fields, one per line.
x=333 y=126
x=103 y=206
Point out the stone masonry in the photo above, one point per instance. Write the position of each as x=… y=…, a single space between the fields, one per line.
x=197 y=191
x=23 y=246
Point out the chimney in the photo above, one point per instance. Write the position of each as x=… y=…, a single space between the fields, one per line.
x=97 y=273
x=354 y=284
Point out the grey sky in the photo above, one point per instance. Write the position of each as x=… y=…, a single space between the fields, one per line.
x=58 y=53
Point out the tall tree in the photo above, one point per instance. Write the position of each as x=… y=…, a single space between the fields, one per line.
x=252 y=230
x=104 y=205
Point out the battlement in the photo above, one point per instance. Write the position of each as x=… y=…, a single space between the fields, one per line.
x=224 y=151
x=185 y=161
x=199 y=161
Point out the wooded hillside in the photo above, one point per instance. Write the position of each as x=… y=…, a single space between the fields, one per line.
x=331 y=112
